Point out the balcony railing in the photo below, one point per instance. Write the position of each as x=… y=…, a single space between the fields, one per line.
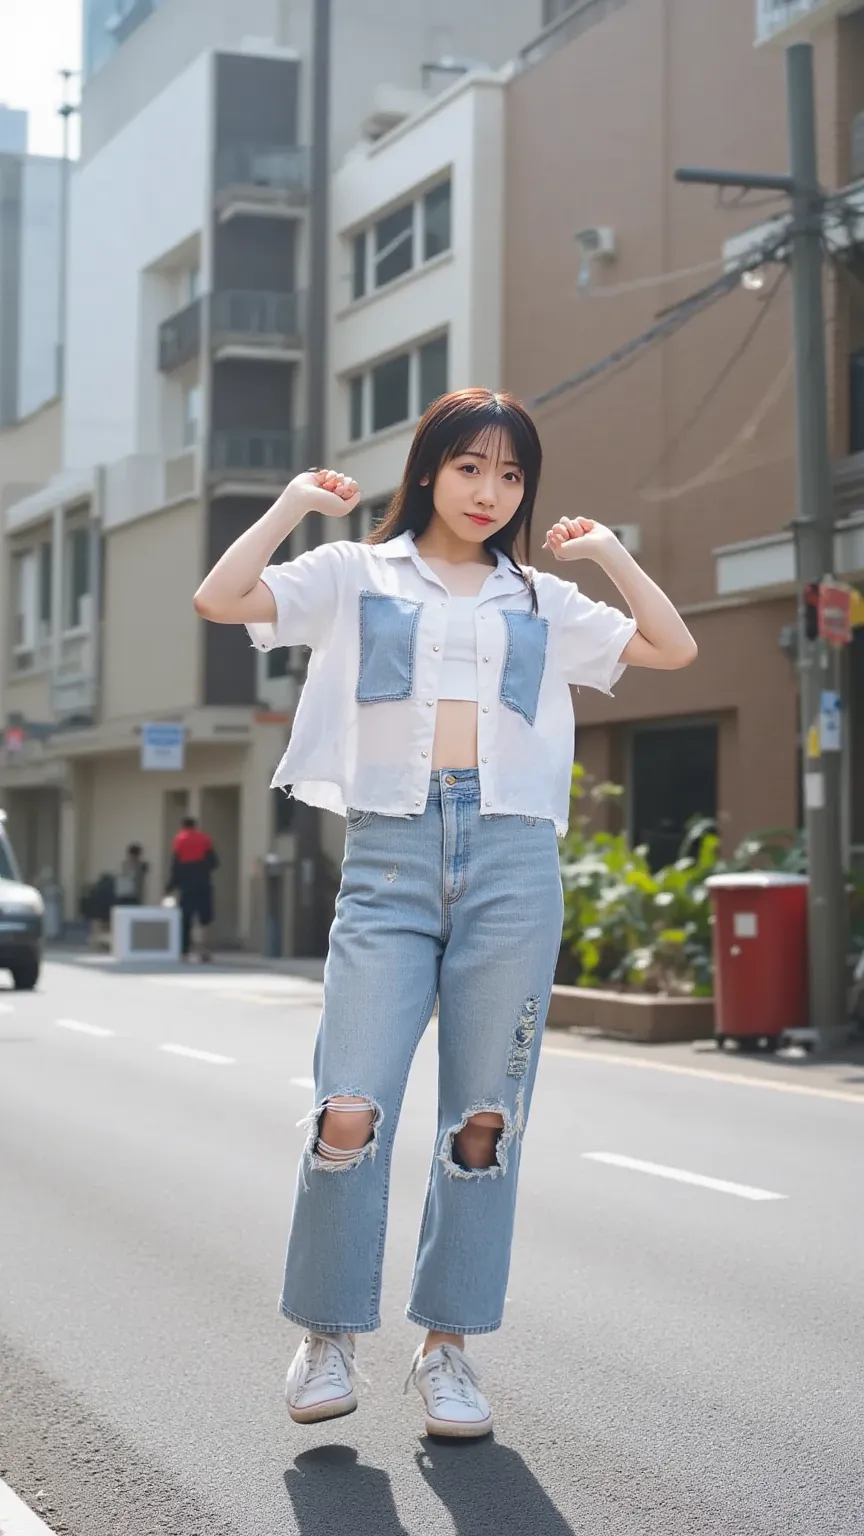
x=180 y=337
x=275 y=317
x=774 y=17
x=258 y=453
x=270 y=167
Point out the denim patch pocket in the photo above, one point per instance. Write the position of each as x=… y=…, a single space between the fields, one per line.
x=525 y=661
x=388 y=639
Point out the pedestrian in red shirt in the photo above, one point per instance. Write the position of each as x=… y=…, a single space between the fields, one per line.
x=193 y=860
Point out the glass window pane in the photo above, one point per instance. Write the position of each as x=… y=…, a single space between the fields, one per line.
x=358 y=286
x=394 y=245
x=390 y=392
x=436 y=221
x=78 y=589
x=45 y=584
x=356 y=413
x=433 y=371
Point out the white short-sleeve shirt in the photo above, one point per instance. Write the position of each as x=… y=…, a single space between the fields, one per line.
x=375 y=618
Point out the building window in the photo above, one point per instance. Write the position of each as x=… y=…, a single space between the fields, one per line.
x=394 y=245
x=78 y=578
x=46 y=588
x=25 y=601
x=412 y=234
x=398 y=389
x=391 y=392
x=193 y=284
x=433 y=371
x=436 y=221
x=191 y=415
x=356 y=425
x=358 y=279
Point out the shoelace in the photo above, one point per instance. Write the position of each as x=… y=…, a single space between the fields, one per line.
x=322 y=1362
x=451 y=1376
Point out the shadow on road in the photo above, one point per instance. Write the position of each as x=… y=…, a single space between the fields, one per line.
x=488 y=1489
x=333 y=1493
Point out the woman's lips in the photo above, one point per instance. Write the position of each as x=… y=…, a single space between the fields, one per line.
x=483 y=521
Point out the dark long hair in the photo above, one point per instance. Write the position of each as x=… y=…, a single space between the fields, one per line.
x=452 y=425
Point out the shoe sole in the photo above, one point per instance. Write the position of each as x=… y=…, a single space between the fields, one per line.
x=451 y=1429
x=339 y=1408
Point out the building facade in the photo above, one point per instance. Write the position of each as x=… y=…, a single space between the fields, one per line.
x=31 y=202
x=187 y=364
x=698 y=472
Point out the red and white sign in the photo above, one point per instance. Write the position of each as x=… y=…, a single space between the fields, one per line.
x=835 y=612
x=13 y=738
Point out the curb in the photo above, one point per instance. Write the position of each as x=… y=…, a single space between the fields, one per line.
x=15 y=1517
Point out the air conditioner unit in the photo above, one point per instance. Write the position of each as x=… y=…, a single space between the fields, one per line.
x=598 y=240
x=630 y=535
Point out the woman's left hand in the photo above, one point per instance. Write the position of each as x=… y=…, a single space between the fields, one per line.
x=578 y=538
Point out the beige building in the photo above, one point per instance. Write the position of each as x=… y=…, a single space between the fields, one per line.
x=191 y=294
x=606 y=103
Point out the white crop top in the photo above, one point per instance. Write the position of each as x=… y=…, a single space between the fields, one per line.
x=458 y=678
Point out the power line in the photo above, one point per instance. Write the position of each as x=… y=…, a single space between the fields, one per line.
x=677 y=316
x=714 y=389
x=708 y=475
x=618 y=290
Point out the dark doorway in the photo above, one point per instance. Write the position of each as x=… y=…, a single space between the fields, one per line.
x=673 y=778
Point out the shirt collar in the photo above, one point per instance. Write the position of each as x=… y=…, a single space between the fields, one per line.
x=506 y=579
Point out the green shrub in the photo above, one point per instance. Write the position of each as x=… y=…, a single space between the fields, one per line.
x=628 y=928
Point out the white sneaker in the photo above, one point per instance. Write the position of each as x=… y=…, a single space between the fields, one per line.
x=320 y=1383
x=447 y=1383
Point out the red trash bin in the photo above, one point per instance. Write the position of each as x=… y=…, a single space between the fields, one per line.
x=760 y=956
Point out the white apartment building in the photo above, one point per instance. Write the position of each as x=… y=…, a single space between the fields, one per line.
x=184 y=415
x=31 y=199
x=416 y=277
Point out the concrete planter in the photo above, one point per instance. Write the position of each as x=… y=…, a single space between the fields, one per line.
x=632 y=1015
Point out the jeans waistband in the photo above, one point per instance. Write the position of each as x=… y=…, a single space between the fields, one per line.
x=461 y=782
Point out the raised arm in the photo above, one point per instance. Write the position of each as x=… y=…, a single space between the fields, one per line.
x=662 y=640
x=234 y=593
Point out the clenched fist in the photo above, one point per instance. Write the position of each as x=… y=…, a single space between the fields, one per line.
x=325 y=491
x=578 y=538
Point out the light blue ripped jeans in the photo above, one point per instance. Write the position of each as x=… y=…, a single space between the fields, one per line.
x=468 y=908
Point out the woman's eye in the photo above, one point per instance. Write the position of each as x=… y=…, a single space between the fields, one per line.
x=469 y=469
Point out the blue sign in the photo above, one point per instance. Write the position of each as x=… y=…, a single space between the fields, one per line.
x=163 y=746
x=830 y=722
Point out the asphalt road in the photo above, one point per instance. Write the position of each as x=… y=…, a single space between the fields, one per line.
x=677 y=1357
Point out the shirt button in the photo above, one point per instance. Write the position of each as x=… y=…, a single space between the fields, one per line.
x=485 y=658
x=424 y=754
x=430 y=703
x=436 y=647
x=484 y=759
x=487 y=802
x=485 y=709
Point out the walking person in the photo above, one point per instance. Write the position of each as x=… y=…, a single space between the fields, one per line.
x=437 y=716
x=193 y=861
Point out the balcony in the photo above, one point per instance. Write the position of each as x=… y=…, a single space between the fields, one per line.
x=791 y=20
x=74 y=688
x=261 y=178
x=251 y=324
x=180 y=338
x=249 y=457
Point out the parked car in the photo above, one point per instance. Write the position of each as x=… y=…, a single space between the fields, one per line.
x=21 y=920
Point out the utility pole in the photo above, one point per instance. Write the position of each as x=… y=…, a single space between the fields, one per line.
x=818 y=663
x=308 y=871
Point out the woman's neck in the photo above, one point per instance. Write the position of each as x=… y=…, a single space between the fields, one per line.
x=437 y=542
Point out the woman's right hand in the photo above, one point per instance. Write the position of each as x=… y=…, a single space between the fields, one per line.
x=325 y=491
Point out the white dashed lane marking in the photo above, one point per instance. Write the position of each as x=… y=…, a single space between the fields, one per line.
x=210 y=1056
x=84 y=1029
x=681 y=1176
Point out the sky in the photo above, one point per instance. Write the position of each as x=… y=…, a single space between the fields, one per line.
x=38 y=38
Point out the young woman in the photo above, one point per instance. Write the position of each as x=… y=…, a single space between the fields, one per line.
x=437 y=715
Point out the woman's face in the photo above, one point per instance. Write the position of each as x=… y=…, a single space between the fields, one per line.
x=480 y=490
